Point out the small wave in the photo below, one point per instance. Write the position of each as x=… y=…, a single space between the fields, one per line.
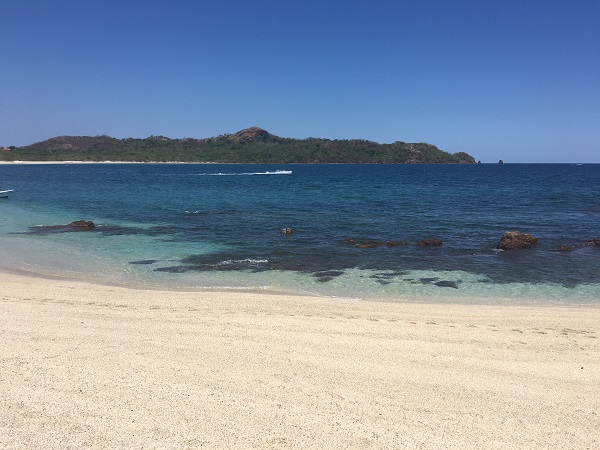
x=242 y=261
x=226 y=265
x=275 y=172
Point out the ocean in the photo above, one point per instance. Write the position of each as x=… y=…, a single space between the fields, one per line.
x=213 y=226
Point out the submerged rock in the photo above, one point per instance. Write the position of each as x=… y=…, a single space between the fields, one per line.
x=286 y=231
x=368 y=244
x=396 y=243
x=429 y=242
x=515 y=240
x=566 y=248
x=595 y=241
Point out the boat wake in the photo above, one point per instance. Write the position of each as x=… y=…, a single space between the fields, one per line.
x=276 y=172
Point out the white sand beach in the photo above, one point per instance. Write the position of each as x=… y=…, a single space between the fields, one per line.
x=19 y=162
x=92 y=366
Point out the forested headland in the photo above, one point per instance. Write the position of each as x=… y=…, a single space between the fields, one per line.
x=251 y=145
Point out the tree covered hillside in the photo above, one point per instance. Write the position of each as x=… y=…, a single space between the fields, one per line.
x=251 y=145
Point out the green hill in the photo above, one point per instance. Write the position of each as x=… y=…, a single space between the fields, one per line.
x=251 y=145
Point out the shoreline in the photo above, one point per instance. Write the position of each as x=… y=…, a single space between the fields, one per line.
x=464 y=300
x=88 y=365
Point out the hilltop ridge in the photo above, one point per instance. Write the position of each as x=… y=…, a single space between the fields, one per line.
x=251 y=134
x=249 y=145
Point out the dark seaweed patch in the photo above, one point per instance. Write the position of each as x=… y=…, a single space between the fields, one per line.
x=447 y=284
x=324 y=279
x=325 y=276
x=328 y=273
x=427 y=280
x=173 y=269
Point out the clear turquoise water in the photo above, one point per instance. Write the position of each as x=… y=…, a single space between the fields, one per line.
x=217 y=226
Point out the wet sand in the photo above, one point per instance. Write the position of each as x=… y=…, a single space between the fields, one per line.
x=93 y=366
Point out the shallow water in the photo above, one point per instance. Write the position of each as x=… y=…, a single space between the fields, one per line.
x=216 y=226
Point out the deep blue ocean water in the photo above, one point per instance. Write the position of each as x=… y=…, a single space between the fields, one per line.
x=218 y=226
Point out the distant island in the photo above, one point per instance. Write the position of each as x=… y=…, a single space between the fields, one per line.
x=250 y=145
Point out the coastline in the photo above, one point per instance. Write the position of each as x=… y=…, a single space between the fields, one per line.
x=39 y=273
x=88 y=365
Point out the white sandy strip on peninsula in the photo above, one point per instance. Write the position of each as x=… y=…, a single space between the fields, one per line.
x=18 y=162
x=90 y=366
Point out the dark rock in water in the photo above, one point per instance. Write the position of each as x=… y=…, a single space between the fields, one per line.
x=368 y=244
x=595 y=241
x=448 y=284
x=566 y=248
x=286 y=231
x=429 y=242
x=82 y=224
x=145 y=261
x=514 y=240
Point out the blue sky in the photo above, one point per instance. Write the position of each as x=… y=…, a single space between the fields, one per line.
x=511 y=80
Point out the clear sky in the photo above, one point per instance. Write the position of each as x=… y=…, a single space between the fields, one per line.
x=512 y=80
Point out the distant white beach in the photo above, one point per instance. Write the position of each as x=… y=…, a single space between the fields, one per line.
x=104 y=162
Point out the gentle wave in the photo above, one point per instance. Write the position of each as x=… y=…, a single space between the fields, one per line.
x=242 y=261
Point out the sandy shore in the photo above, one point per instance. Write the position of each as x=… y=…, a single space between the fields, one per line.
x=88 y=366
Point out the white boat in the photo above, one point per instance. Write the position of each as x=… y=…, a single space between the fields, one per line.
x=4 y=194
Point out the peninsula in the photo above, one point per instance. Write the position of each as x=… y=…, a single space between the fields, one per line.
x=250 y=145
